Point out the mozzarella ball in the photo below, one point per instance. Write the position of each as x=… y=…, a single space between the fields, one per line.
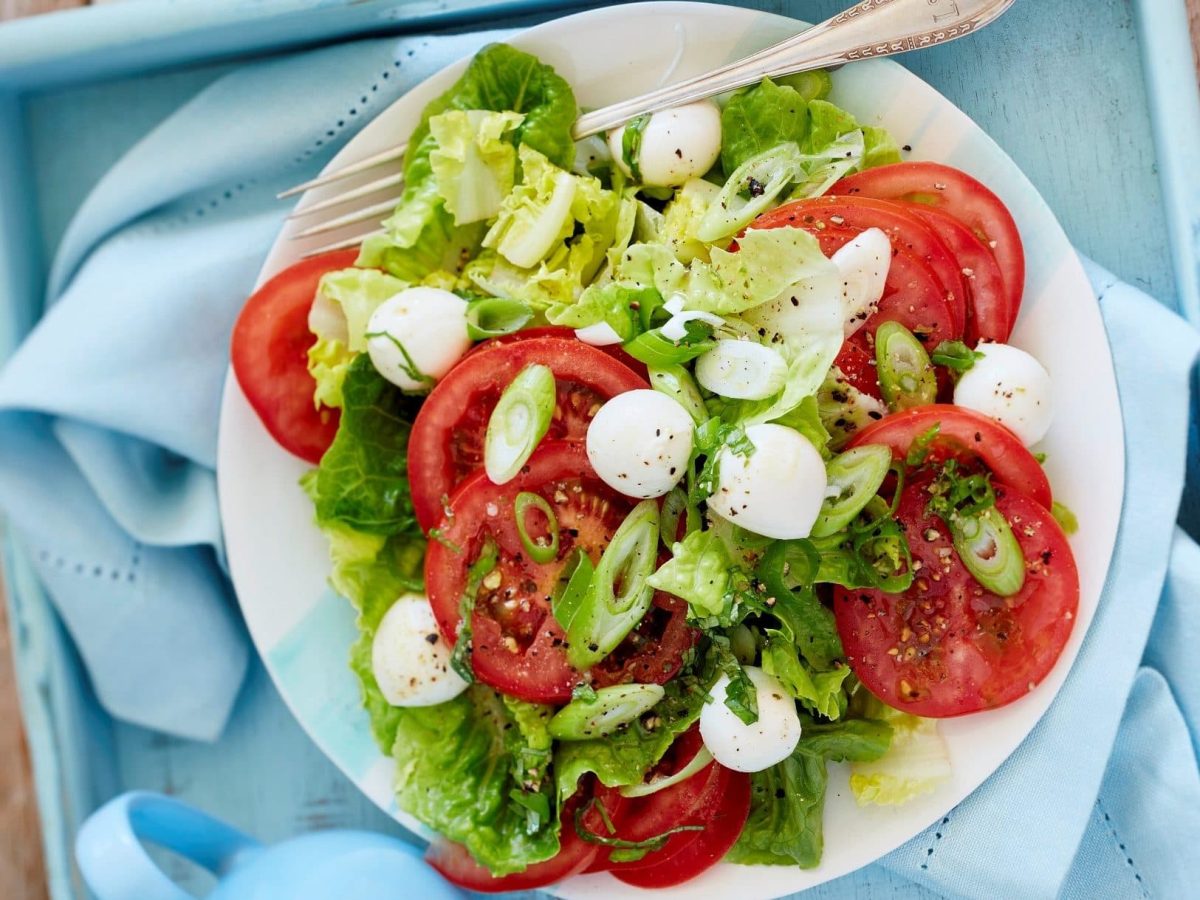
x=777 y=490
x=1010 y=386
x=863 y=264
x=751 y=748
x=409 y=657
x=599 y=335
x=417 y=336
x=640 y=442
x=742 y=370
x=677 y=144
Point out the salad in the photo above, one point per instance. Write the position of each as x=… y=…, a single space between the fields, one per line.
x=665 y=470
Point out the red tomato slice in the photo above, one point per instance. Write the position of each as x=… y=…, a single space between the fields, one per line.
x=455 y=863
x=561 y=331
x=446 y=444
x=858 y=367
x=721 y=831
x=908 y=233
x=913 y=295
x=269 y=353
x=988 y=317
x=517 y=646
x=957 y=193
x=946 y=646
x=963 y=433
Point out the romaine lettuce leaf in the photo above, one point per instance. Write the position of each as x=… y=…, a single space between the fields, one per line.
x=682 y=217
x=622 y=305
x=625 y=756
x=915 y=764
x=474 y=769
x=359 y=292
x=362 y=482
x=818 y=691
x=787 y=801
x=760 y=118
x=328 y=361
x=474 y=162
x=698 y=572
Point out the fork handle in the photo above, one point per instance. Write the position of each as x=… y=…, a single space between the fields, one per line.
x=869 y=28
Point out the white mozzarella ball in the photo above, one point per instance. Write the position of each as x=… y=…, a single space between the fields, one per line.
x=599 y=335
x=751 y=748
x=863 y=264
x=742 y=370
x=409 y=657
x=777 y=490
x=1010 y=386
x=676 y=144
x=640 y=442
x=417 y=336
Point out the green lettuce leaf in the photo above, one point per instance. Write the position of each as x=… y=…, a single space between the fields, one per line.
x=682 y=216
x=362 y=482
x=915 y=764
x=698 y=572
x=465 y=768
x=474 y=162
x=787 y=801
x=759 y=118
x=328 y=361
x=625 y=756
x=623 y=305
x=819 y=692
x=421 y=236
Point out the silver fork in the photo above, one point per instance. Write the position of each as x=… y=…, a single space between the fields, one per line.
x=870 y=28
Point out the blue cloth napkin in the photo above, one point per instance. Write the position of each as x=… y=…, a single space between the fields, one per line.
x=107 y=443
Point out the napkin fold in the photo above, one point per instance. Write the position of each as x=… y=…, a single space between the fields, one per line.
x=108 y=418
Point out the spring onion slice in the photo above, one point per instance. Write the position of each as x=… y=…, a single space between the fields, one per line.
x=988 y=548
x=620 y=593
x=612 y=707
x=699 y=761
x=495 y=316
x=906 y=376
x=519 y=422
x=854 y=477
x=677 y=383
x=541 y=551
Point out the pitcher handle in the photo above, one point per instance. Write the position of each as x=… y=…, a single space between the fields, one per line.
x=116 y=866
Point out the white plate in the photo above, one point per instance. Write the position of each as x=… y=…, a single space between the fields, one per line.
x=278 y=558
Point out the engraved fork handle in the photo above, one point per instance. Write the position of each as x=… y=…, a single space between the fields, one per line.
x=869 y=28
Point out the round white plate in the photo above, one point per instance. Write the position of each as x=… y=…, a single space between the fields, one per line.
x=278 y=559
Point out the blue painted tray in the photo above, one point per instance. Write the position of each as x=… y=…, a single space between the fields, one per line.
x=1078 y=108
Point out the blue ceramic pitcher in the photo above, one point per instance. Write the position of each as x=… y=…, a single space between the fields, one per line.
x=315 y=866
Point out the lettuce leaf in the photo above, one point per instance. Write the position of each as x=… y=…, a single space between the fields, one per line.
x=787 y=801
x=915 y=764
x=698 y=572
x=362 y=482
x=819 y=692
x=625 y=756
x=759 y=118
x=328 y=361
x=474 y=162
x=466 y=769
x=622 y=305
x=421 y=236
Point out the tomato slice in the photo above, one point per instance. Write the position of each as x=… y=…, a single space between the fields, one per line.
x=957 y=193
x=963 y=433
x=721 y=831
x=446 y=444
x=858 y=367
x=912 y=295
x=269 y=353
x=455 y=863
x=946 y=646
x=568 y=334
x=988 y=317
x=517 y=646
x=908 y=233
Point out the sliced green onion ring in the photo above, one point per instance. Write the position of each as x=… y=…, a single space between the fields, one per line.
x=495 y=316
x=906 y=376
x=988 y=548
x=677 y=510
x=854 y=477
x=699 y=761
x=575 y=583
x=582 y=720
x=540 y=553
x=609 y=613
x=519 y=422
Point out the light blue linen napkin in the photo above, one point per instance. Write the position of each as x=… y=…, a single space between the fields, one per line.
x=107 y=442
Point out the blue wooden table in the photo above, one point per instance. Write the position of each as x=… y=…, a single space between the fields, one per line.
x=1067 y=87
